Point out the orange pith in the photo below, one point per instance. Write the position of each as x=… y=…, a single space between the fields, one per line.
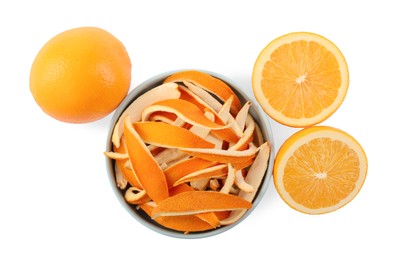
x=76 y=69
x=319 y=169
x=300 y=79
x=185 y=110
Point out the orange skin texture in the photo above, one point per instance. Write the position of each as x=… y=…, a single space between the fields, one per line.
x=80 y=75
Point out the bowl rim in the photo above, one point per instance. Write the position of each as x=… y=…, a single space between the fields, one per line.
x=256 y=111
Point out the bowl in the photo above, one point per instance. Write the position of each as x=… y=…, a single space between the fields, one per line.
x=259 y=117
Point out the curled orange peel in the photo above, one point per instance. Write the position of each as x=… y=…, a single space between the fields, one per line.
x=208 y=83
x=185 y=110
x=169 y=136
x=142 y=161
x=195 y=202
x=207 y=173
x=135 y=109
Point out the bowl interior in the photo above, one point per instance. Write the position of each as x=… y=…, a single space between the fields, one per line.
x=256 y=112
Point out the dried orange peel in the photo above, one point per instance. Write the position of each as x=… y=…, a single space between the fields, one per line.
x=189 y=154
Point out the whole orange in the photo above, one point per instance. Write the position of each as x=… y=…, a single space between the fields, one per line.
x=80 y=75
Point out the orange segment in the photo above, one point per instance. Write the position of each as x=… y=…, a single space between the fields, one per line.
x=300 y=79
x=144 y=166
x=194 y=202
x=319 y=169
x=208 y=82
x=166 y=135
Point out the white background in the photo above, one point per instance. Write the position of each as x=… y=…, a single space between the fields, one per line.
x=55 y=197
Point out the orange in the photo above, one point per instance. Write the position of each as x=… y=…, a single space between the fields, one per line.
x=319 y=169
x=300 y=79
x=80 y=75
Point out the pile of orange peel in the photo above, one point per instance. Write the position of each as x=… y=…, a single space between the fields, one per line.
x=189 y=154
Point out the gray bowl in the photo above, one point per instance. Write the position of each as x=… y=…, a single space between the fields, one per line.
x=259 y=117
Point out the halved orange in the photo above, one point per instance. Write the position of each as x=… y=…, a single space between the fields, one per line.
x=319 y=169
x=300 y=79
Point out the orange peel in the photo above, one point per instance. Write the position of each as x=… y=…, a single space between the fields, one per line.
x=185 y=167
x=142 y=161
x=185 y=224
x=169 y=136
x=121 y=181
x=188 y=155
x=134 y=195
x=209 y=217
x=223 y=156
x=194 y=202
x=209 y=83
x=185 y=110
x=216 y=171
x=127 y=172
x=135 y=109
x=254 y=178
x=230 y=180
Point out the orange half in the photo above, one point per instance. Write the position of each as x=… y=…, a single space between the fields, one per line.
x=319 y=169
x=300 y=79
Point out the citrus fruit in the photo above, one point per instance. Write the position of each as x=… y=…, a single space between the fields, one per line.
x=319 y=169
x=300 y=79
x=80 y=75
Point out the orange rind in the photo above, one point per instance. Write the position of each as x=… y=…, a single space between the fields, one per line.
x=142 y=161
x=194 y=202
x=209 y=83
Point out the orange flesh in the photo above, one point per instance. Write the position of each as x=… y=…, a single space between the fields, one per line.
x=324 y=170
x=304 y=85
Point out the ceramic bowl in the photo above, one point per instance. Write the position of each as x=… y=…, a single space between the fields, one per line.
x=259 y=117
